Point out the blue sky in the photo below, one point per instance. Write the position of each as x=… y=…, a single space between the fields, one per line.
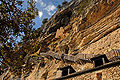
x=46 y=9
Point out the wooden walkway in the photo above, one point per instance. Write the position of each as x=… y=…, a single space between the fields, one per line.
x=80 y=56
x=72 y=58
x=113 y=55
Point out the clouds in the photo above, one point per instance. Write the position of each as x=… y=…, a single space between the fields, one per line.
x=40 y=13
x=41 y=3
x=50 y=9
x=35 y=0
x=47 y=7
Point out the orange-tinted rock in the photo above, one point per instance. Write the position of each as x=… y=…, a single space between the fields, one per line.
x=60 y=33
x=95 y=32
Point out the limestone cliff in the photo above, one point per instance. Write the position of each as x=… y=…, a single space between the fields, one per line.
x=81 y=26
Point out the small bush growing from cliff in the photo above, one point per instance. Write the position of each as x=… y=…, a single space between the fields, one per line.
x=64 y=3
x=59 y=6
x=45 y=20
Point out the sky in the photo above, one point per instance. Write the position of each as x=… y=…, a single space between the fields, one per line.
x=46 y=9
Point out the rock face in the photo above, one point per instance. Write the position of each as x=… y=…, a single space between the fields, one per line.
x=82 y=26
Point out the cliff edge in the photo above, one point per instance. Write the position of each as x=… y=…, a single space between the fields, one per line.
x=89 y=27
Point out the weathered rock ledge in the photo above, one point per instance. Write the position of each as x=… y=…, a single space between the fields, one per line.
x=82 y=26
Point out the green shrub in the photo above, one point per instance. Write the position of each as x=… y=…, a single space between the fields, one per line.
x=59 y=6
x=45 y=20
x=64 y=3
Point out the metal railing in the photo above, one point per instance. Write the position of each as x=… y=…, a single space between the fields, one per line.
x=108 y=65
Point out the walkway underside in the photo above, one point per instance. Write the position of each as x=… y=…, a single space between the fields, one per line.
x=80 y=56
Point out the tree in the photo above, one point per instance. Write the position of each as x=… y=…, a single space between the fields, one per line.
x=59 y=6
x=45 y=20
x=14 y=22
x=64 y=3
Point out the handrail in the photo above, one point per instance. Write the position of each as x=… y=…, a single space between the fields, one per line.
x=108 y=65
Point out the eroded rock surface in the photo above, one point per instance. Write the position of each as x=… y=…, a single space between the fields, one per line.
x=92 y=28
